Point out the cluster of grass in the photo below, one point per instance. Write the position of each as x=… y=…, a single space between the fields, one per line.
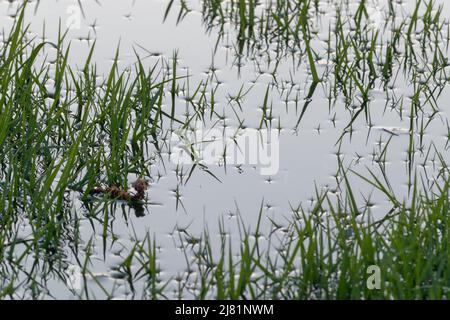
x=327 y=253
x=64 y=131
x=404 y=55
x=258 y=24
x=360 y=56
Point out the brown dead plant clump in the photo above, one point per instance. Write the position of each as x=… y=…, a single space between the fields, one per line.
x=140 y=185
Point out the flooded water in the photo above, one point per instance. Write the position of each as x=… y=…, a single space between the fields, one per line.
x=287 y=138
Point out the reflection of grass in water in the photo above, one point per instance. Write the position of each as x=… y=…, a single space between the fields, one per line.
x=360 y=58
x=55 y=143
